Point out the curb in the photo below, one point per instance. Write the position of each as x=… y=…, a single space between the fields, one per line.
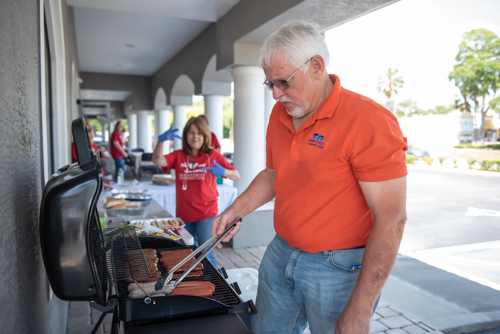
x=466 y=323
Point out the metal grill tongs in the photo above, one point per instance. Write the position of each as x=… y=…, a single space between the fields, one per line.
x=164 y=283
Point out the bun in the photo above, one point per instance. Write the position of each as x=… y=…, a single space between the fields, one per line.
x=118 y=206
x=113 y=201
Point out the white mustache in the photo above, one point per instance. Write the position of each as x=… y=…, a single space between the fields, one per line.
x=285 y=100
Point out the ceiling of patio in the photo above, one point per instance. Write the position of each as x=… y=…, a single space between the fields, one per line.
x=138 y=37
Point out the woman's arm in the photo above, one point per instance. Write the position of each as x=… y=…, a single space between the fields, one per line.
x=117 y=145
x=158 y=157
x=232 y=174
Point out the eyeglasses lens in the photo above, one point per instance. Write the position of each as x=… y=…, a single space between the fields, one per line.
x=280 y=84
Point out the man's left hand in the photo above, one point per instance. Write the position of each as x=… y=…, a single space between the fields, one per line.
x=353 y=321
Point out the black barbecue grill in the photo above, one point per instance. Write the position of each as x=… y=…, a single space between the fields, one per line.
x=86 y=263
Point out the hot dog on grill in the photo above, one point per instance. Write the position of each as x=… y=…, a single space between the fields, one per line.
x=199 y=292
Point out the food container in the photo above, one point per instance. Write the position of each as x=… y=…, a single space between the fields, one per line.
x=163 y=223
x=135 y=197
x=141 y=206
x=163 y=179
x=128 y=191
x=148 y=230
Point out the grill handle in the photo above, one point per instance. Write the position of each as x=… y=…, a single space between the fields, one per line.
x=168 y=277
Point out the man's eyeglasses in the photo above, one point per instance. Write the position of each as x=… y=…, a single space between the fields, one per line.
x=283 y=84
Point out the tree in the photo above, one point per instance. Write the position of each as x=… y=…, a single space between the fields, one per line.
x=477 y=74
x=228 y=111
x=389 y=86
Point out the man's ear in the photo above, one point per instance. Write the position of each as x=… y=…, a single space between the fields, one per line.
x=318 y=66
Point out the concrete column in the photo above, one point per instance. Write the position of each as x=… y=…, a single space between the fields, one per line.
x=269 y=102
x=132 y=129
x=249 y=128
x=180 y=119
x=213 y=111
x=144 y=130
x=163 y=124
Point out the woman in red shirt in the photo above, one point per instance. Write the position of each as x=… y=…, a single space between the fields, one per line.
x=116 y=148
x=197 y=167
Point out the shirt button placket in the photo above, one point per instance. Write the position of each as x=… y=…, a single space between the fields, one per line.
x=295 y=149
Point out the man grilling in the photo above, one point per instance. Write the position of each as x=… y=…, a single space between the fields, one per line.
x=336 y=167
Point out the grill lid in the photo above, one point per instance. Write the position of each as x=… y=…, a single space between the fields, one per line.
x=70 y=233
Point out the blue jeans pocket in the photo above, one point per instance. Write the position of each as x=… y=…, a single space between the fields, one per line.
x=348 y=260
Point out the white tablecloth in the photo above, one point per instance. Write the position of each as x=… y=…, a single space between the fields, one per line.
x=165 y=195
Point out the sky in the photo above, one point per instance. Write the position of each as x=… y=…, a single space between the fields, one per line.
x=420 y=38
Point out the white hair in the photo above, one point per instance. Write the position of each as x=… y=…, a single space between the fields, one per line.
x=297 y=40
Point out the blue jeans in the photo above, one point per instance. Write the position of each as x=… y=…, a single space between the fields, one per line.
x=297 y=287
x=119 y=164
x=201 y=231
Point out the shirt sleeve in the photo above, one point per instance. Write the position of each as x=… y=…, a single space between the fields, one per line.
x=171 y=161
x=378 y=150
x=215 y=142
x=221 y=160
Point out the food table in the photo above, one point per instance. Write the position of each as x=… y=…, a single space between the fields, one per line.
x=165 y=195
x=154 y=210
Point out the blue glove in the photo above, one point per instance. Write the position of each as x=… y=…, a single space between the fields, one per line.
x=169 y=135
x=218 y=170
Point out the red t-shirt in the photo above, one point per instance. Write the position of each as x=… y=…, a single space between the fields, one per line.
x=215 y=142
x=319 y=205
x=114 y=151
x=74 y=158
x=195 y=189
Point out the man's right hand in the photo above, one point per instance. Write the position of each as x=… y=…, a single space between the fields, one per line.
x=169 y=135
x=219 y=224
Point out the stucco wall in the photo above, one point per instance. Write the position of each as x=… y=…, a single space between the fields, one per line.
x=22 y=279
x=25 y=305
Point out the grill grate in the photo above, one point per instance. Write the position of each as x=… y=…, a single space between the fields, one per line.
x=128 y=260
x=223 y=293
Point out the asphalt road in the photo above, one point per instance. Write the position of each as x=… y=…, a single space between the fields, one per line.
x=454 y=221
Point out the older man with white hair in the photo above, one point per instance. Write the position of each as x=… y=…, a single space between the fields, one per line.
x=336 y=166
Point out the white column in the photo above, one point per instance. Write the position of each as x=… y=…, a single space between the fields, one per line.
x=180 y=119
x=132 y=129
x=213 y=111
x=163 y=124
x=249 y=128
x=144 y=130
x=269 y=102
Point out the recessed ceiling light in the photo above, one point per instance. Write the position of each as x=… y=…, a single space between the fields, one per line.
x=129 y=45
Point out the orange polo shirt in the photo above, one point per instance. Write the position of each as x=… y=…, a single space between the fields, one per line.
x=319 y=205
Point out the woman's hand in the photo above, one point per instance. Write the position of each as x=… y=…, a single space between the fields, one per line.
x=217 y=170
x=169 y=135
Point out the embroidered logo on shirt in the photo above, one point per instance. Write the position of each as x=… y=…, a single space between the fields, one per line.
x=318 y=137
x=317 y=141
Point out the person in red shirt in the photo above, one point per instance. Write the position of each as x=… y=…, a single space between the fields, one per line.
x=336 y=167
x=215 y=142
x=197 y=166
x=116 y=148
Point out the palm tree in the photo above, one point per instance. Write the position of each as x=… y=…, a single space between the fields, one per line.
x=389 y=86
